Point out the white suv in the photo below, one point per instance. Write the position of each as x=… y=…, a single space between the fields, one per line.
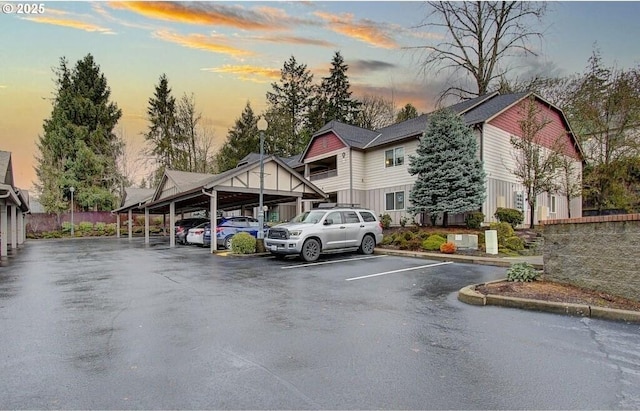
x=325 y=230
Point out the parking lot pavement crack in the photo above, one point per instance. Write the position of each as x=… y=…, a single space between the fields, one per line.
x=281 y=380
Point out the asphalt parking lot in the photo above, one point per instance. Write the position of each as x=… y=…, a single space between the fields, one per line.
x=112 y=324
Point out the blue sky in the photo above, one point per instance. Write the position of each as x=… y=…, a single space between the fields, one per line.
x=228 y=53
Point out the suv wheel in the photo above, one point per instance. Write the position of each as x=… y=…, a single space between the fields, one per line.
x=310 y=250
x=367 y=245
x=227 y=242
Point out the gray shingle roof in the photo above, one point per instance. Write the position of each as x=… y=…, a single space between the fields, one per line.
x=352 y=135
x=6 y=175
x=410 y=128
x=136 y=195
x=186 y=180
x=491 y=107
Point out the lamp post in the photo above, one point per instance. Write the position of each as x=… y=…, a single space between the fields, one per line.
x=72 y=189
x=262 y=126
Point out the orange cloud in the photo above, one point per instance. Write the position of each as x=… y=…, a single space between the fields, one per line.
x=364 y=30
x=75 y=24
x=201 y=42
x=248 y=73
x=294 y=40
x=201 y=14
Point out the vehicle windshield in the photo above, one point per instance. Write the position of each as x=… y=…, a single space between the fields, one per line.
x=309 y=217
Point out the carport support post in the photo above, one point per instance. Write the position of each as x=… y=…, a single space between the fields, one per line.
x=146 y=225
x=298 y=205
x=3 y=230
x=117 y=225
x=172 y=224
x=14 y=228
x=130 y=223
x=21 y=228
x=213 y=215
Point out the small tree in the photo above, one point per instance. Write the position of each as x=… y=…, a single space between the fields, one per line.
x=451 y=178
x=570 y=182
x=536 y=166
x=406 y=113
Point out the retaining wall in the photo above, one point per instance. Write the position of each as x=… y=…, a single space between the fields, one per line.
x=599 y=253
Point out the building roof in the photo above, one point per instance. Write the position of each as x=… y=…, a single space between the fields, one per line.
x=492 y=106
x=6 y=172
x=353 y=136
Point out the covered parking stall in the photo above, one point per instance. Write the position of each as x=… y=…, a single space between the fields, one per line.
x=182 y=192
x=14 y=205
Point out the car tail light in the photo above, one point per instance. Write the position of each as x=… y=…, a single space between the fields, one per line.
x=219 y=229
x=199 y=231
x=179 y=229
x=381 y=226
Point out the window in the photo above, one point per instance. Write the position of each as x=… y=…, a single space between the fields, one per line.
x=394 y=201
x=335 y=217
x=552 y=204
x=367 y=216
x=394 y=157
x=350 y=217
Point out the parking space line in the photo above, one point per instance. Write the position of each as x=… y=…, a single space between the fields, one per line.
x=330 y=262
x=398 y=271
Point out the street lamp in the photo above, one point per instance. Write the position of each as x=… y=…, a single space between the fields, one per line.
x=72 y=189
x=262 y=126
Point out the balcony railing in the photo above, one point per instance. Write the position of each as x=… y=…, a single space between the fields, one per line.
x=323 y=174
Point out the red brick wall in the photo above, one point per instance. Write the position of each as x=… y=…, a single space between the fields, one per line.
x=324 y=144
x=509 y=122
x=594 y=219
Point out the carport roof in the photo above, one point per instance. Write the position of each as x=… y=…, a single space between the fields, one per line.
x=235 y=188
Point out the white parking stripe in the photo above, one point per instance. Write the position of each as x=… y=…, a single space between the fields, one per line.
x=398 y=271
x=330 y=262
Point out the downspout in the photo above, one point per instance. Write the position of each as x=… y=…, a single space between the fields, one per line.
x=351 y=176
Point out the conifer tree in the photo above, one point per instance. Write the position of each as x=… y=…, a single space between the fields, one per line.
x=336 y=92
x=451 y=178
x=242 y=139
x=79 y=147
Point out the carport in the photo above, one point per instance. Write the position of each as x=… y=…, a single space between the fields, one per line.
x=235 y=189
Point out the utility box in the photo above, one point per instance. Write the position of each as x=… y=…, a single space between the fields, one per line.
x=491 y=241
x=464 y=241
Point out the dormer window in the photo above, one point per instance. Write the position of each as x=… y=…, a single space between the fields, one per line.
x=394 y=157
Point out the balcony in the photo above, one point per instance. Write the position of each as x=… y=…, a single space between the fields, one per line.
x=323 y=174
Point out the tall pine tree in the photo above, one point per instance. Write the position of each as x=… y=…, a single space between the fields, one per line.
x=451 y=178
x=242 y=139
x=336 y=92
x=289 y=105
x=79 y=147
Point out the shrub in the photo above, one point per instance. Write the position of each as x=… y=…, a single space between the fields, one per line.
x=385 y=220
x=504 y=231
x=85 y=227
x=474 y=220
x=523 y=272
x=243 y=243
x=414 y=244
x=481 y=239
x=448 y=248
x=514 y=243
x=139 y=220
x=66 y=227
x=110 y=229
x=509 y=215
x=387 y=239
x=433 y=243
x=403 y=221
x=408 y=235
x=157 y=221
x=53 y=234
x=424 y=235
x=99 y=227
x=402 y=243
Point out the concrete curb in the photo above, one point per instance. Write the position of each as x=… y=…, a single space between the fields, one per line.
x=466 y=259
x=469 y=295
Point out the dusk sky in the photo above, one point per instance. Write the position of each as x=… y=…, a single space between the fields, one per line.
x=228 y=53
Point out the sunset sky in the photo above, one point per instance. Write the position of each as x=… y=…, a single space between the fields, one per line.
x=228 y=53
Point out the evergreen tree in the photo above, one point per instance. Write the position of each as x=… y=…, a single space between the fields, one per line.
x=335 y=90
x=79 y=147
x=242 y=139
x=289 y=105
x=162 y=134
x=406 y=113
x=451 y=178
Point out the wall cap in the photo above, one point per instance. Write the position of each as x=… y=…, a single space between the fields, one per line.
x=594 y=219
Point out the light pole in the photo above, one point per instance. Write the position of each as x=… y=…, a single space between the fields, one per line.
x=262 y=126
x=72 y=189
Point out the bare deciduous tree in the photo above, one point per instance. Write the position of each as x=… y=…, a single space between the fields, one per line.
x=480 y=38
x=536 y=166
x=375 y=112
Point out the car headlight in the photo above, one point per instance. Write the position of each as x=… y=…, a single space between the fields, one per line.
x=295 y=233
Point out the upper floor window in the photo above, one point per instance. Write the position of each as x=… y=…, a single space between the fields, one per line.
x=394 y=157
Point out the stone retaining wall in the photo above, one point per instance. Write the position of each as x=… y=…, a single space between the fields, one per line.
x=600 y=253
